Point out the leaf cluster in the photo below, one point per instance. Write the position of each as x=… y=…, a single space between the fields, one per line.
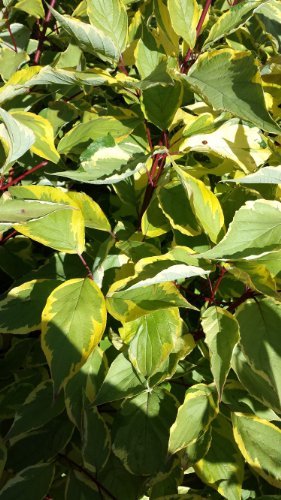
x=140 y=249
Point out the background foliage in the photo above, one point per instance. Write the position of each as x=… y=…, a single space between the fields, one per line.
x=140 y=256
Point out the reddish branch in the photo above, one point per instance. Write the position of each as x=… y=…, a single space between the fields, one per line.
x=89 y=272
x=6 y=17
x=12 y=182
x=215 y=288
x=42 y=34
x=10 y=235
x=184 y=65
x=154 y=174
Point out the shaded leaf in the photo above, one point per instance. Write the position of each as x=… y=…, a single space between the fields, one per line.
x=141 y=439
x=223 y=466
x=73 y=322
x=36 y=478
x=222 y=333
x=39 y=408
x=96 y=439
x=21 y=309
x=121 y=381
x=194 y=416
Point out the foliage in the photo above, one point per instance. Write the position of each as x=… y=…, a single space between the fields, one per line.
x=140 y=251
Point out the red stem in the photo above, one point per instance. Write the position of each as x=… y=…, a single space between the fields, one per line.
x=6 y=16
x=148 y=134
x=10 y=235
x=188 y=55
x=22 y=176
x=89 y=272
x=211 y=299
x=122 y=67
x=42 y=34
x=249 y=294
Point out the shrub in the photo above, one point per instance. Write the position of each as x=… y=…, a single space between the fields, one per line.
x=140 y=254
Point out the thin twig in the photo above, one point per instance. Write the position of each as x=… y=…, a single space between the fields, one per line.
x=42 y=34
x=89 y=272
x=122 y=67
x=6 y=16
x=10 y=235
x=148 y=134
x=22 y=176
x=188 y=55
x=211 y=299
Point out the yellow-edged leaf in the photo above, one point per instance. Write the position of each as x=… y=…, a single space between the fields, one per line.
x=44 y=134
x=205 y=204
x=73 y=322
x=62 y=230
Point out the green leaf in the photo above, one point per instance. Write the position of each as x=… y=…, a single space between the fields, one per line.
x=269 y=14
x=37 y=478
x=3 y=457
x=121 y=381
x=80 y=136
x=154 y=270
x=93 y=215
x=36 y=446
x=96 y=439
x=180 y=214
x=222 y=467
x=10 y=61
x=241 y=144
x=32 y=7
x=128 y=305
x=21 y=309
x=44 y=134
x=256 y=385
x=265 y=175
x=229 y=80
x=194 y=416
x=231 y=20
x=16 y=211
x=68 y=235
x=154 y=222
x=87 y=37
x=222 y=334
x=148 y=54
x=141 y=439
x=73 y=322
x=255 y=230
x=39 y=408
x=259 y=334
x=80 y=486
x=184 y=18
x=164 y=22
x=198 y=449
x=151 y=339
x=205 y=205
x=238 y=399
x=152 y=100
x=86 y=381
x=111 y=19
x=17 y=136
x=262 y=454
